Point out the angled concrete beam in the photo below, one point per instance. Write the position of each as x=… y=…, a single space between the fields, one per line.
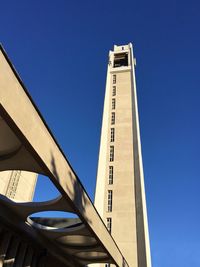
x=30 y=146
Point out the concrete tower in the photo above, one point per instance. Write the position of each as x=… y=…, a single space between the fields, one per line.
x=17 y=184
x=120 y=192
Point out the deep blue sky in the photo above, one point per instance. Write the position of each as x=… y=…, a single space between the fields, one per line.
x=60 y=50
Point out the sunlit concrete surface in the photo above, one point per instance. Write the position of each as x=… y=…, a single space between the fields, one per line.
x=120 y=194
x=28 y=145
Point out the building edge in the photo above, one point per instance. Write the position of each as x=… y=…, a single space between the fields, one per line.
x=141 y=204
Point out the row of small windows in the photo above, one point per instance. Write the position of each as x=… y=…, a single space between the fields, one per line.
x=111 y=153
x=114 y=91
x=111 y=169
x=113 y=118
x=114 y=79
x=113 y=103
x=112 y=134
x=113 y=100
x=12 y=188
x=110 y=195
x=110 y=178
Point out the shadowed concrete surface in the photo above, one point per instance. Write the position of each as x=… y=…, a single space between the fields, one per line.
x=27 y=144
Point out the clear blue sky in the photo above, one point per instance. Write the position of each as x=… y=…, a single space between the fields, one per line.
x=60 y=49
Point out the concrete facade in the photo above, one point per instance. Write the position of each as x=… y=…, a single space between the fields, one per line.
x=120 y=193
x=16 y=184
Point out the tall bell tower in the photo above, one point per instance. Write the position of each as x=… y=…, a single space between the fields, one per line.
x=17 y=185
x=120 y=192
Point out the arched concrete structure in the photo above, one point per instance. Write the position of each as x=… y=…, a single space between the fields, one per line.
x=28 y=145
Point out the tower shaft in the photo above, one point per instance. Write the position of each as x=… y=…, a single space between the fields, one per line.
x=120 y=193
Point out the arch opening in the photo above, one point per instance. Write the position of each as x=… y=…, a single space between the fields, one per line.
x=53 y=219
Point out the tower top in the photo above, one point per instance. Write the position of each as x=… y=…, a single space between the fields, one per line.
x=121 y=57
x=120 y=48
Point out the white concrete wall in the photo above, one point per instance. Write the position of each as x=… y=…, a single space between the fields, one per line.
x=129 y=228
x=18 y=185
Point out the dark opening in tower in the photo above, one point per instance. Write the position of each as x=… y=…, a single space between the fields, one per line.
x=120 y=59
